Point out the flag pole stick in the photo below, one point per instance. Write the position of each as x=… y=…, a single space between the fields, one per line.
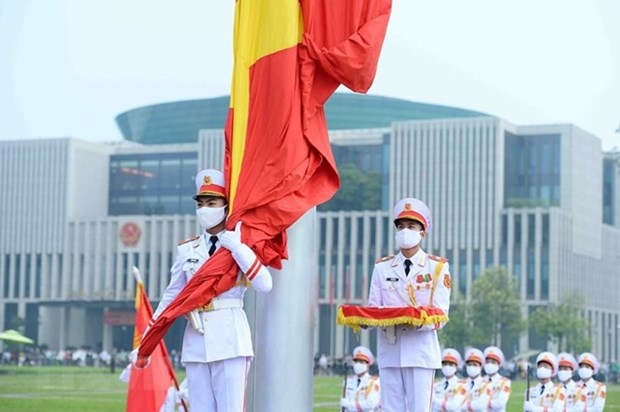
x=138 y=278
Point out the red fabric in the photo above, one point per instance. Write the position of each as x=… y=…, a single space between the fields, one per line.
x=148 y=386
x=288 y=166
x=375 y=313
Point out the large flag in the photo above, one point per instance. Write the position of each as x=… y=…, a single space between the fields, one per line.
x=148 y=386
x=290 y=56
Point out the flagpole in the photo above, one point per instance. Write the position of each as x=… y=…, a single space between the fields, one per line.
x=282 y=322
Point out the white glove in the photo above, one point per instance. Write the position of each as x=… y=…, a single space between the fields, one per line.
x=231 y=239
x=528 y=406
x=345 y=403
x=138 y=363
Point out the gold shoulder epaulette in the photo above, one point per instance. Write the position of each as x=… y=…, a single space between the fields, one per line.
x=383 y=259
x=189 y=239
x=437 y=258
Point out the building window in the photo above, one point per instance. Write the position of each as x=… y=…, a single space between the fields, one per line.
x=152 y=184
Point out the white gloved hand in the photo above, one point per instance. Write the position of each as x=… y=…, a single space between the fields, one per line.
x=231 y=239
x=528 y=406
x=138 y=362
x=345 y=403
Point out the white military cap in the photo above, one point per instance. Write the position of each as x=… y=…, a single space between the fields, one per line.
x=210 y=182
x=415 y=209
x=589 y=359
x=363 y=353
x=495 y=353
x=452 y=355
x=549 y=358
x=566 y=359
x=473 y=354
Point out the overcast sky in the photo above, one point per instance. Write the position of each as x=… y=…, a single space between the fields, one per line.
x=68 y=67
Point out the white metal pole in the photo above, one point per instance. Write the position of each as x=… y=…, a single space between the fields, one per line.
x=282 y=324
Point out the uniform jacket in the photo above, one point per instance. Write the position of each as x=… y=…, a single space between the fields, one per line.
x=390 y=287
x=570 y=392
x=473 y=396
x=443 y=394
x=226 y=331
x=548 y=399
x=499 y=387
x=366 y=395
x=590 y=396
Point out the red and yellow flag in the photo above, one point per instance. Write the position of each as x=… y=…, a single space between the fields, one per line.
x=148 y=386
x=290 y=56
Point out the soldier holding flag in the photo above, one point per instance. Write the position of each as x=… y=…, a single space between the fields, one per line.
x=217 y=345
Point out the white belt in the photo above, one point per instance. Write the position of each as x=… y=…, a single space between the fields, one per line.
x=217 y=304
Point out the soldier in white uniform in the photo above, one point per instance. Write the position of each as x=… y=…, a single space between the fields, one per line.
x=450 y=385
x=591 y=394
x=545 y=396
x=499 y=385
x=476 y=392
x=567 y=366
x=408 y=356
x=217 y=345
x=362 y=390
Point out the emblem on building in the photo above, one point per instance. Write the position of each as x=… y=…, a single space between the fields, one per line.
x=130 y=234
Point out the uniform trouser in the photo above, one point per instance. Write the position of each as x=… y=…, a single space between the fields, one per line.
x=217 y=386
x=406 y=389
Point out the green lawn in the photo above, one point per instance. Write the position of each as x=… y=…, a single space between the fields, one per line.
x=73 y=389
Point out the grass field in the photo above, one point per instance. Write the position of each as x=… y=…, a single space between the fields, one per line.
x=73 y=389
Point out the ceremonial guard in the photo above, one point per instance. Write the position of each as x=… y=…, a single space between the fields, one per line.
x=567 y=366
x=499 y=386
x=408 y=356
x=545 y=396
x=591 y=394
x=450 y=385
x=362 y=390
x=217 y=345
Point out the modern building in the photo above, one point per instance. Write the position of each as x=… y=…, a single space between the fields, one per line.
x=541 y=200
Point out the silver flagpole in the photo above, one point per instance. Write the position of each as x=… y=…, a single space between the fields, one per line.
x=282 y=321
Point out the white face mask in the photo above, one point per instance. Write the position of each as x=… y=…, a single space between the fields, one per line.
x=585 y=373
x=565 y=375
x=491 y=368
x=210 y=216
x=359 y=367
x=407 y=238
x=448 y=370
x=473 y=371
x=543 y=373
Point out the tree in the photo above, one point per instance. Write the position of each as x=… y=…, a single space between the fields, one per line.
x=359 y=190
x=458 y=332
x=495 y=307
x=563 y=325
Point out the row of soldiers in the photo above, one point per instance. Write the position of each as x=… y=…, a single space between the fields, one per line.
x=492 y=391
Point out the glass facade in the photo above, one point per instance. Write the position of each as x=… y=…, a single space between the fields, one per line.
x=152 y=184
x=532 y=174
x=609 y=182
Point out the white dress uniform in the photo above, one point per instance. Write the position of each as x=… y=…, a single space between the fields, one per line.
x=364 y=393
x=217 y=362
x=474 y=395
x=547 y=397
x=590 y=396
x=444 y=391
x=499 y=393
x=570 y=394
x=408 y=356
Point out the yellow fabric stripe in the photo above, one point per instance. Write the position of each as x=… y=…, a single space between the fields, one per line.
x=137 y=336
x=355 y=322
x=262 y=27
